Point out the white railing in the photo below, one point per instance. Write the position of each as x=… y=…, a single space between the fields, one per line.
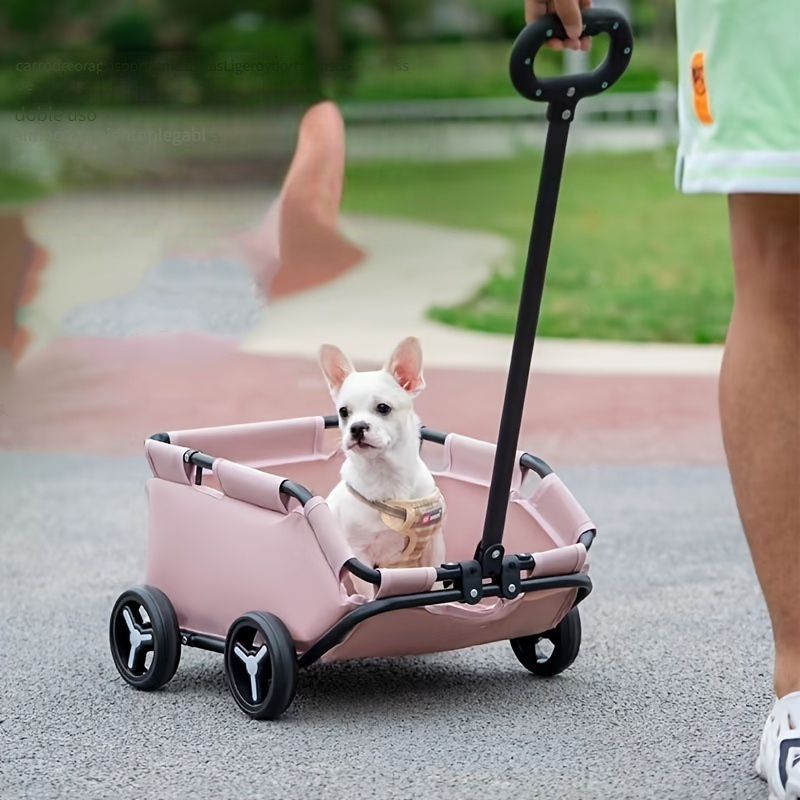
x=655 y=108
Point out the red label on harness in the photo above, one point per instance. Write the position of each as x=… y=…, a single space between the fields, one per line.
x=431 y=517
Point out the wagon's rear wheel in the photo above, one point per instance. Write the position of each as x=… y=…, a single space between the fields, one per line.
x=261 y=665
x=145 y=638
x=547 y=654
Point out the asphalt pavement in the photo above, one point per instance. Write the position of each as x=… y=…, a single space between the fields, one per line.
x=666 y=699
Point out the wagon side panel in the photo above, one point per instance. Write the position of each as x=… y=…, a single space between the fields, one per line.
x=217 y=557
x=466 y=505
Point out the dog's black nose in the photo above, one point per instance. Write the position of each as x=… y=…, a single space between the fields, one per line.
x=358 y=429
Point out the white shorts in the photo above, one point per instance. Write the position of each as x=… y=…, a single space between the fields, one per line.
x=739 y=96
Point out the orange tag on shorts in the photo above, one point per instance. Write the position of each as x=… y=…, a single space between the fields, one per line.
x=699 y=89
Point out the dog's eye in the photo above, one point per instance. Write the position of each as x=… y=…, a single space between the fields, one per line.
x=382 y=408
x=343 y=412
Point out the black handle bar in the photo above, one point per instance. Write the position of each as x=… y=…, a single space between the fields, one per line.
x=562 y=95
x=568 y=89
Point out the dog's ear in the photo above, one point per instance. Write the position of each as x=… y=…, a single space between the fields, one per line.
x=336 y=366
x=405 y=365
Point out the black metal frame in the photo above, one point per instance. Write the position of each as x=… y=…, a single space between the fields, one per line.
x=562 y=95
x=492 y=573
x=336 y=634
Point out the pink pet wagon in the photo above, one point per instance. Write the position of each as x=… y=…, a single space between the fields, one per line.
x=253 y=566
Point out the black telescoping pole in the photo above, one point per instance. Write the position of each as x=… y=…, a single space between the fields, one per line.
x=560 y=117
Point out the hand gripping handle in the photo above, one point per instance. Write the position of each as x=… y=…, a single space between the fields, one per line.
x=568 y=89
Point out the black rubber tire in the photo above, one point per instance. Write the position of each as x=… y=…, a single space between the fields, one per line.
x=566 y=640
x=275 y=681
x=163 y=630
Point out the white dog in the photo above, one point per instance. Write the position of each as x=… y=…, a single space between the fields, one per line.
x=387 y=502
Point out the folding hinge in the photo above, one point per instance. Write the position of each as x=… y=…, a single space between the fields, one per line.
x=503 y=570
x=510 y=577
x=471 y=582
x=492 y=562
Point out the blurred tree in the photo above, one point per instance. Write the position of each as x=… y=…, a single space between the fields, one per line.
x=327 y=32
x=393 y=15
x=654 y=18
x=27 y=16
x=41 y=23
x=130 y=32
x=508 y=15
x=199 y=14
x=664 y=22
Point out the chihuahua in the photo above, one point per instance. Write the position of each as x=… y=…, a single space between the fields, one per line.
x=387 y=502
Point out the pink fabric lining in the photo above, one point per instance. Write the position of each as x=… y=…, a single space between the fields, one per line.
x=249 y=485
x=450 y=626
x=556 y=503
x=166 y=461
x=255 y=444
x=561 y=561
x=329 y=537
x=405 y=581
x=473 y=460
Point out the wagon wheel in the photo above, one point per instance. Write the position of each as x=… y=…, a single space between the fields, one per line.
x=261 y=665
x=145 y=638
x=547 y=654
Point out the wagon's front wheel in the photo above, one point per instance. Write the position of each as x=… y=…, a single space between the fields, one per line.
x=145 y=638
x=547 y=654
x=261 y=665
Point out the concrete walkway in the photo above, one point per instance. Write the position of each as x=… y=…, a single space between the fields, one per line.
x=411 y=267
x=100 y=246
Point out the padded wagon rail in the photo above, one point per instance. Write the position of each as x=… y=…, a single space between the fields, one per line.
x=185 y=517
x=468 y=579
x=495 y=575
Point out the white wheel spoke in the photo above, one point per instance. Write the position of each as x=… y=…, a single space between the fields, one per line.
x=132 y=656
x=254 y=687
x=128 y=619
x=251 y=663
x=136 y=637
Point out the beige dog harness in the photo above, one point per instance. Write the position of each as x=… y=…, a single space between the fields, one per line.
x=419 y=520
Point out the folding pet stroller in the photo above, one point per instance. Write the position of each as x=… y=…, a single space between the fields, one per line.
x=252 y=565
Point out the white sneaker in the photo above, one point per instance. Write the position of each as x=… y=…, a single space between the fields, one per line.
x=778 y=761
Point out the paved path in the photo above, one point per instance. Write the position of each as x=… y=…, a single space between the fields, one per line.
x=107 y=396
x=101 y=246
x=410 y=268
x=665 y=700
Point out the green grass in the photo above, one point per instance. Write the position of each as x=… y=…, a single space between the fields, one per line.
x=632 y=259
x=17 y=189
